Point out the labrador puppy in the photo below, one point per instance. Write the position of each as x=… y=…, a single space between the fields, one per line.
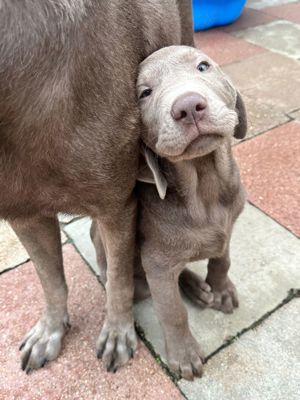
x=192 y=194
x=69 y=142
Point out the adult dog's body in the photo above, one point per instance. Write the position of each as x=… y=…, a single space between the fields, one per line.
x=69 y=135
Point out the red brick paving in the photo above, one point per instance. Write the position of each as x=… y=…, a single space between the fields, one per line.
x=290 y=12
x=76 y=374
x=225 y=48
x=270 y=170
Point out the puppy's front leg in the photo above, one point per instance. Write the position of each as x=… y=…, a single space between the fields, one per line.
x=225 y=294
x=41 y=238
x=183 y=351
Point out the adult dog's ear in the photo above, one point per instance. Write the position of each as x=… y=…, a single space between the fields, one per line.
x=149 y=172
x=241 y=127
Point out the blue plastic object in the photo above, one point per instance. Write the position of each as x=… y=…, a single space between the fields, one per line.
x=209 y=13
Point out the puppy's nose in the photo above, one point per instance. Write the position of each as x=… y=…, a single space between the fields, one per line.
x=189 y=108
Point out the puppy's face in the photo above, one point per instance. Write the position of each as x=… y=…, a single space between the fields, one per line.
x=188 y=106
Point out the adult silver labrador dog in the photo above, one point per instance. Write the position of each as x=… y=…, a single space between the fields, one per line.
x=69 y=136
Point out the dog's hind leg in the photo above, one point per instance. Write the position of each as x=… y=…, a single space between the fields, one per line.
x=141 y=288
x=97 y=240
x=41 y=238
x=195 y=288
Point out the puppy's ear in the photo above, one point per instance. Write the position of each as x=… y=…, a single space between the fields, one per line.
x=241 y=127
x=149 y=172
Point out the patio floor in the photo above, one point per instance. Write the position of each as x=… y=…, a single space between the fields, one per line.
x=253 y=353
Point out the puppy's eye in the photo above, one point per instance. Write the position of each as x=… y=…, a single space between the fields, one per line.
x=145 y=93
x=203 y=66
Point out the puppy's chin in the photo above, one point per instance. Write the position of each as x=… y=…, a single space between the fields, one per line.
x=199 y=147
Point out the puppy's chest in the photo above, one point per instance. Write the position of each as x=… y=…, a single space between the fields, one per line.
x=186 y=232
x=203 y=231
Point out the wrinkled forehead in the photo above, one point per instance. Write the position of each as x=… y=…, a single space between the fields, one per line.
x=165 y=60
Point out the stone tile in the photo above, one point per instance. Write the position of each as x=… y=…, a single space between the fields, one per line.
x=249 y=18
x=270 y=78
x=78 y=231
x=270 y=166
x=225 y=48
x=76 y=374
x=261 y=116
x=280 y=36
x=263 y=364
x=12 y=252
x=291 y=12
x=265 y=265
x=260 y=4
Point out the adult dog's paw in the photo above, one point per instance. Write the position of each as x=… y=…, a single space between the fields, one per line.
x=116 y=344
x=42 y=343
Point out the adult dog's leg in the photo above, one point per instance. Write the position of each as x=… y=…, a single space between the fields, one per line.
x=187 y=31
x=41 y=238
x=117 y=341
x=141 y=288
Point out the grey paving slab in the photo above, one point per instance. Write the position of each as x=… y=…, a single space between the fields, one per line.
x=295 y=115
x=264 y=364
x=265 y=265
x=12 y=252
x=78 y=231
x=280 y=36
x=261 y=116
x=269 y=78
x=260 y=4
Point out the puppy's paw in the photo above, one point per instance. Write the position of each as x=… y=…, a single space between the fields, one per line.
x=116 y=344
x=195 y=288
x=225 y=297
x=185 y=357
x=42 y=343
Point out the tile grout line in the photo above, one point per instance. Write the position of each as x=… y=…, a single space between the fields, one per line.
x=273 y=219
x=15 y=266
x=247 y=139
x=292 y=294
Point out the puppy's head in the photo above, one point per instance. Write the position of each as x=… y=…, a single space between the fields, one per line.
x=188 y=106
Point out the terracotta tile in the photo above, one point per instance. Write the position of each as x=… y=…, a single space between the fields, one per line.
x=224 y=48
x=270 y=78
x=291 y=12
x=270 y=165
x=76 y=374
x=249 y=18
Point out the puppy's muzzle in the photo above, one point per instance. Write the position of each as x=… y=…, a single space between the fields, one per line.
x=189 y=109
